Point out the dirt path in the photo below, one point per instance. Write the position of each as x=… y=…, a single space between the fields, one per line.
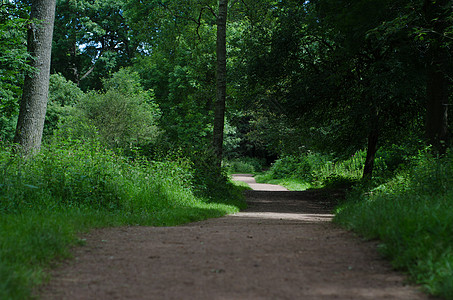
x=282 y=247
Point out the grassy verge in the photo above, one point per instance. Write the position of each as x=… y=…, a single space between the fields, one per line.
x=242 y=186
x=292 y=184
x=407 y=206
x=71 y=187
x=412 y=216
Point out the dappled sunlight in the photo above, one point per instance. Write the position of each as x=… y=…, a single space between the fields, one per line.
x=274 y=202
x=250 y=180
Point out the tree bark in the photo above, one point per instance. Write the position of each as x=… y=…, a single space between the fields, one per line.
x=33 y=104
x=219 y=116
x=437 y=85
x=372 y=148
x=437 y=109
x=373 y=137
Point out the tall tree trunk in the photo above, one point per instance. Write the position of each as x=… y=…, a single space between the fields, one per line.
x=219 y=116
x=436 y=15
x=36 y=86
x=437 y=109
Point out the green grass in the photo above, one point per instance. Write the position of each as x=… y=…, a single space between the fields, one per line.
x=292 y=184
x=72 y=186
x=241 y=185
x=407 y=206
x=411 y=214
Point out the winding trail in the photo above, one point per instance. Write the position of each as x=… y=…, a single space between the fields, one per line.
x=282 y=247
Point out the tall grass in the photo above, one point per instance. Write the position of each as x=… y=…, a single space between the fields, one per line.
x=412 y=216
x=71 y=186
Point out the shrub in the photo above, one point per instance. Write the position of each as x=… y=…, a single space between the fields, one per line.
x=124 y=117
x=244 y=165
x=291 y=166
x=238 y=166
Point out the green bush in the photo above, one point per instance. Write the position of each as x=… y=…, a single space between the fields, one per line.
x=292 y=166
x=63 y=96
x=237 y=166
x=244 y=165
x=122 y=121
x=320 y=170
x=123 y=118
x=7 y=128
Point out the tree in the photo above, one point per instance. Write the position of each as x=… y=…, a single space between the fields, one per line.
x=177 y=59
x=32 y=110
x=325 y=70
x=439 y=19
x=91 y=41
x=219 y=115
x=123 y=117
x=13 y=63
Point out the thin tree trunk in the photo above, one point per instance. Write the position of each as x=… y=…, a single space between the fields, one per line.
x=373 y=138
x=33 y=104
x=219 y=116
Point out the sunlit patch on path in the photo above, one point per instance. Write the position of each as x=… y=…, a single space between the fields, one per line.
x=283 y=205
x=284 y=216
x=248 y=178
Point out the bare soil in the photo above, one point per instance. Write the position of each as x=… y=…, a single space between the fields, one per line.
x=282 y=247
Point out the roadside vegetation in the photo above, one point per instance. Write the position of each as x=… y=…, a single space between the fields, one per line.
x=410 y=213
x=103 y=164
x=72 y=186
x=406 y=206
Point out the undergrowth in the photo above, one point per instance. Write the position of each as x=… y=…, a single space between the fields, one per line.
x=411 y=214
x=243 y=165
x=313 y=170
x=72 y=186
x=407 y=206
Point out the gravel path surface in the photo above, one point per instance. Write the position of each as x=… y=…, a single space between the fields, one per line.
x=282 y=247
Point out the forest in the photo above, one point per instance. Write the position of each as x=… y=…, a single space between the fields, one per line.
x=125 y=112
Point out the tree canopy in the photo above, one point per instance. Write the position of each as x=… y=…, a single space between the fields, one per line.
x=323 y=75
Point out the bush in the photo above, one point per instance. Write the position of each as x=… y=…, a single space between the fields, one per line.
x=238 y=166
x=122 y=121
x=63 y=96
x=244 y=165
x=124 y=117
x=292 y=166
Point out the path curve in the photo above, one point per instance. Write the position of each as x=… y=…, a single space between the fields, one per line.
x=282 y=247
